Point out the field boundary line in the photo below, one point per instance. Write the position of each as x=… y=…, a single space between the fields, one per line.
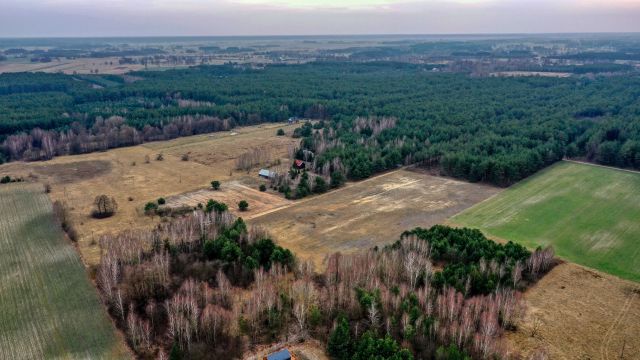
x=601 y=166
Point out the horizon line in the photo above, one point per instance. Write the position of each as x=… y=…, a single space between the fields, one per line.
x=325 y=35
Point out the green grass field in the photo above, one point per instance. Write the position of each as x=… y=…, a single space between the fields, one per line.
x=48 y=307
x=590 y=214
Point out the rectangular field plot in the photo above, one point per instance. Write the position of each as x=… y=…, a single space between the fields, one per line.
x=48 y=307
x=590 y=214
x=231 y=193
x=368 y=213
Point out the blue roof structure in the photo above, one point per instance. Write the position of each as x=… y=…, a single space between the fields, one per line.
x=265 y=173
x=280 y=355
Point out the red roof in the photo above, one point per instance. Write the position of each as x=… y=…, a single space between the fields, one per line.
x=299 y=163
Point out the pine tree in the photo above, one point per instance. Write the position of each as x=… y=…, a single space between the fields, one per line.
x=340 y=345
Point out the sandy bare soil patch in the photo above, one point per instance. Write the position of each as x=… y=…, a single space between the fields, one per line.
x=124 y=174
x=581 y=314
x=369 y=213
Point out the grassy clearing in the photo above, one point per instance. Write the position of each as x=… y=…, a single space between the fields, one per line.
x=371 y=212
x=48 y=307
x=588 y=213
x=124 y=174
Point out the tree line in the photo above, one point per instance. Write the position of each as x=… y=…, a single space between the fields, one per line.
x=207 y=285
x=496 y=130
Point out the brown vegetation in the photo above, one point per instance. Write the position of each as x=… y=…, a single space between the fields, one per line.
x=61 y=213
x=78 y=179
x=104 y=134
x=368 y=213
x=579 y=313
x=165 y=294
x=231 y=193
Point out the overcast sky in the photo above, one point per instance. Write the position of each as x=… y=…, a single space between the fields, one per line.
x=44 y=18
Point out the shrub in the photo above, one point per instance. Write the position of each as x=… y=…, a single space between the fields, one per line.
x=215 y=185
x=263 y=187
x=243 y=205
x=61 y=213
x=280 y=132
x=337 y=179
x=159 y=157
x=319 y=185
x=150 y=208
x=185 y=157
x=162 y=201
x=5 y=179
x=218 y=207
x=47 y=188
x=104 y=207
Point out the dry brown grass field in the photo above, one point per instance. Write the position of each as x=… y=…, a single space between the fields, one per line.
x=580 y=313
x=79 y=179
x=368 y=213
x=231 y=193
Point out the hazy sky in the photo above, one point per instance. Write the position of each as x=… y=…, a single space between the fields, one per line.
x=312 y=17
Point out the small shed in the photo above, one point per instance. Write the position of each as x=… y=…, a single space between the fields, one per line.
x=264 y=173
x=298 y=164
x=283 y=354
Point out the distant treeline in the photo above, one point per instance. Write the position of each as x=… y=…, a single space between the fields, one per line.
x=496 y=130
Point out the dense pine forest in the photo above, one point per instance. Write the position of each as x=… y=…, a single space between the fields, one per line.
x=377 y=115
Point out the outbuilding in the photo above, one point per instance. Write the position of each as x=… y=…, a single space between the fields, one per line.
x=283 y=354
x=298 y=164
x=264 y=173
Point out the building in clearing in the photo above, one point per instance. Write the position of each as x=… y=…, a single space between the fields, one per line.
x=283 y=354
x=298 y=164
x=264 y=173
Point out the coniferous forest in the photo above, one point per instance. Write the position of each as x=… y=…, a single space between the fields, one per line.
x=376 y=116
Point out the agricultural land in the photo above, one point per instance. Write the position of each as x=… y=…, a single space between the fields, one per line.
x=588 y=213
x=579 y=313
x=125 y=174
x=373 y=212
x=48 y=307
